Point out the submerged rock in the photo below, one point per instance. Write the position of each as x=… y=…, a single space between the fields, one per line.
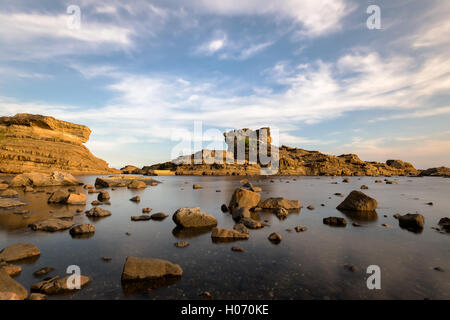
x=273 y=203
x=281 y=213
x=193 y=218
x=335 y=221
x=82 y=229
x=141 y=218
x=251 y=223
x=98 y=212
x=19 y=251
x=37 y=296
x=10 y=203
x=159 y=216
x=224 y=208
x=59 y=196
x=11 y=269
x=228 y=234
x=240 y=227
x=181 y=244
x=358 y=201
x=11 y=289
x=51 y=225
x=146 y=210
x=445 y=223
x=43 y=271
x=57 y=285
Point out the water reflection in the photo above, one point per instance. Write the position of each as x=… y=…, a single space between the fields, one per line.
x=360 y=216
x=186 y=233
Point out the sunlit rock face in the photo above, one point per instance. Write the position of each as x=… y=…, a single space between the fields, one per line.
x=36 y=143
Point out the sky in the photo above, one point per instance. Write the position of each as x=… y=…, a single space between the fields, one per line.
x=143 y=74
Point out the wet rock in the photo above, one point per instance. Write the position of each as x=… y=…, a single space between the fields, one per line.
x=59 y=196
x=37 y=179
x=19 y=251
x=136 y=199
x=82 y=229
x=244 y=198
x=37 y=296
x=237 y=249
x=228 y=234
x=28 y=189
x=11 y=289
x=445 y=223
x=300 y=229
x=310 y=207
x=275 y=237
x=51 y=225
x=98 y=212
x=137 y=185
x=335 y=221
x=273 y=203
x=412 y=221
x=193 y=218
x=251 y=223
x=358 y=201
x=356 y=224
x=346 y=180
x=10 y=203
x=391 y=182
x=138 y=269
x=121 y=181
x=9 y=193
x=88 y=186
x=239 y=213
x=339 y=194
x=159 y=216
x=397 y=215
x=281 y=213
x=11 y=269
x=76 y=198
x=141 y=218
x=146 y=210
x=181 y=244
x=240 y=227
x=96 y=203
x=103 y=196
x=197 y=186
x=224 y=208
x=43 y=271
x=57 y=285
x=378 y=181
x=364 y=187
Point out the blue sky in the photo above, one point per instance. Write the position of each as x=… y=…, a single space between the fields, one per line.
x=141 y=73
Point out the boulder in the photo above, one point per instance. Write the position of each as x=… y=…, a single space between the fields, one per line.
x=141 y=218
x=59 y=196
x=37 y=296
x=9 y=193
x=244 y=198
x=11 y=269
x=281 y=213
x=159 y=216
x=57 y=285
x=335 y=221
x=136 y=184
x=251 y=223
x=273 y=203
x=445 y=223
x=358 y=201
x=224 y=208
x=121 y=181
x=228 y=234
x=97 y=212
x=275 y=237
x=136 y=199
x=82 y=229
x=412 y=221
x=76 y=198
x=51 y=225
x=146 y=210
x=239 y=213
x=11 y=289
x=181 y=244
x=38 y=179
x=10 y=203
x=88 y=186
x=197 y=186
x=103 y=196
x=19 y=251
x=193 y=218
x=241 y=228
x=138 y=269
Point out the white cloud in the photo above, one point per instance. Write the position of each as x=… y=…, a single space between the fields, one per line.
x=214 y=45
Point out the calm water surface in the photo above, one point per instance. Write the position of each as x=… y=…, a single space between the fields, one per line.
x=305 y=265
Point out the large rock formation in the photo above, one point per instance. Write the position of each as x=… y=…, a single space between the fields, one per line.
x=35 y=143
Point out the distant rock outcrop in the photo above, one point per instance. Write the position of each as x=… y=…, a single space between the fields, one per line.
x=36 y=143
x=436 y=172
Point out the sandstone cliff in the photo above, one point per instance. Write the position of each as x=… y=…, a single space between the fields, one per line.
x=35 y=143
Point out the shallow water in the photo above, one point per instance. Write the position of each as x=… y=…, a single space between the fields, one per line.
x=305 y=265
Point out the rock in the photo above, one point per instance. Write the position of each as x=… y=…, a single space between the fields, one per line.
x=346 y=180
x=378 y=181
x=103 y=196
x=136 y=184
x=43 y=271
x=9 y=193
x=96 y=203
x=28 y=189
x=251 y=224
x=37 y=296
x=138 y=269
x=391 y=182
x=445 y=223
x=356 y=224
x=310 y=207
x=281 y=213
x=228 y=234
x=11 y=289
x=82 y=229
x=384 y=225
x=300 y=229
x=397 y=215
x=19 y=251
x=57 y=285
x=364 y=187
x=412 y=221
x=335 y=221
x=358 y=201
x=3 y=186
x=11 y=269
x=237 y=249
x=159 y=216
x=129 y=169
x=239 y=213
x=88 y=186
x=107 y=259
x=339 y=194
x=244 y=198
x=121 y=181
x=93 y=191
x=197 y=186
x=240 y=227
x=21 y=211
x=181 y=244
x=59 y=196
x=141 y=218
x=350 y=267
x=436 y=172
x=273 y=203
x=275 y=237
x=439 y=269
x=10 y=203
x=224 y=208
x=136 y=199
x=193 y=218
x=146 y=210
x=37 y=179
x=51 y=225
x=98 y=212
x=76 y=198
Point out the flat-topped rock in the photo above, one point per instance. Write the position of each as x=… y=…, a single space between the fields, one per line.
x=121 y=181
x=10 y=289
x=51 y=225
x=193 y=218
x=19 y=251
x=273 y=203
x=38 y=179
x=9 y=193
x=137 y=269
x=57 y=285
x=10 y=203
x=82 y=229
x=228 y=234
